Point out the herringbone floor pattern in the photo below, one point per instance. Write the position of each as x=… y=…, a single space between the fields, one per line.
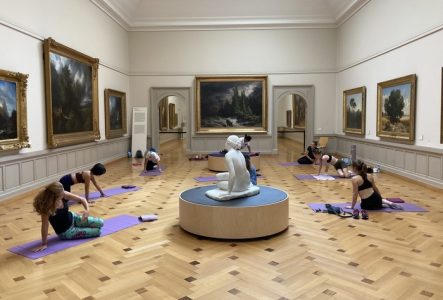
x=320 y=256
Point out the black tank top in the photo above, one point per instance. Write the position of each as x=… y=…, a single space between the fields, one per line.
x=79 y=177
x=329 y=159
x=365 y=185
x=62 y=219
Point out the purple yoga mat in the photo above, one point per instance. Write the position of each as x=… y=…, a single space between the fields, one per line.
x=407 y=207
x=111 y=225
x=311 y=177
x=205 y=178
x=154 y=172
x=108 y=192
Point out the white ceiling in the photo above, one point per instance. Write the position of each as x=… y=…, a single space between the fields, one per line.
x=153 y=15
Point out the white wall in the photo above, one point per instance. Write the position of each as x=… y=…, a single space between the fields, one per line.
x=77 y=24
x=288 y=57
x=382 y=25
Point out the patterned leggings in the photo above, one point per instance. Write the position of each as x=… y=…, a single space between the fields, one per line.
x=81 y=229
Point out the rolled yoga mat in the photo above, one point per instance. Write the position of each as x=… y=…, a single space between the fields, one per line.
x=55 y=244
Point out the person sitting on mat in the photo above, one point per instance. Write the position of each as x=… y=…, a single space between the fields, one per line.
x=251 y=169
x=246 y=142
x=52 y=205
x=327 y=159
x=308 y=158
x=152 y=160
x=85 y=177
x=363 y=185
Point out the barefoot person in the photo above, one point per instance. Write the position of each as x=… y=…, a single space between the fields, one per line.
x=52 y=205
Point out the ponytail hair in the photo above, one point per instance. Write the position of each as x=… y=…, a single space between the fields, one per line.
x=44 y=202
x=361 y=168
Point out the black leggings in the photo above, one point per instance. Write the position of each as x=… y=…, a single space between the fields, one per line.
x=372 y=202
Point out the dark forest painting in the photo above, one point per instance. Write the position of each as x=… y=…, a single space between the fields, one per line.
x=71 y=95
x=13 y=120
x=231 y=104
x=71 y=90
x=115 y=113
x=354 y=111
x=396 y=108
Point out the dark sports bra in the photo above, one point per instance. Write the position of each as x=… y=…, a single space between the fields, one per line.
x=79 y=178
x=329 y=159
x=365 y=185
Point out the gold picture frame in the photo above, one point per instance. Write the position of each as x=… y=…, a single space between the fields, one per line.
x=289 y=118
x=396 y=108
x=13 y=117
x=299 y=106
x=163 y=114
x=71 y=87
x=354 y=111
x=231 y=104
x=115 y=114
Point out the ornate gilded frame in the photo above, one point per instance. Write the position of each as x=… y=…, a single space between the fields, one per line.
x=354 y=124
x=115 y=114
x=171 y=115
x=404 y=128
x=215 y=92
x=62 y=126
x=13 y=88
x=299 y=112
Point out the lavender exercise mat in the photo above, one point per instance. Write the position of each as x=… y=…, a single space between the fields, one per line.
x=154 y=172
x=407 y=207
x=109 y=193
x=55 y=244
x=205 y=178
x=311 y=177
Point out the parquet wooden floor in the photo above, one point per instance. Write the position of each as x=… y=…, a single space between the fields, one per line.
x=390 y=256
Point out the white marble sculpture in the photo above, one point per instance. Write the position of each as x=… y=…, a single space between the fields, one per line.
x=236 y=182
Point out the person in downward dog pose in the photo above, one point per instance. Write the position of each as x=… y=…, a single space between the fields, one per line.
x=327 y=159
x=85 y=177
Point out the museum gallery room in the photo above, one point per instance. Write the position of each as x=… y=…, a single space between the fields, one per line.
x=201 y=149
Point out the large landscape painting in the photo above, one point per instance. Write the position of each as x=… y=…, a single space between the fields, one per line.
x=231 y=104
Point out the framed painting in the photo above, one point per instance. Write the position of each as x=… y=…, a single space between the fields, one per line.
x=163 y=114
x=115 y=114
x=171 y=115
x=289 y=118
x=231 y=104
x=71 y=87
x=396 y=108
x=299 y=108
x=13 y=119
x=354 y=111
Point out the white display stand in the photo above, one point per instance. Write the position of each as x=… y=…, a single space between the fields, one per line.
x=139 y=129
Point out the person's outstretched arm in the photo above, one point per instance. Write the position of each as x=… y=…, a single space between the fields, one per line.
x=354 y=192
x=97 y=186
x=44 y=232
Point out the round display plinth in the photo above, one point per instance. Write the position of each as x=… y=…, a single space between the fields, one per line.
x=216 y=162
x=244 y=218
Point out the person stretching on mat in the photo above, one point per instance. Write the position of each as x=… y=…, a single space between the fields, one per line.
x=363 y=185
x=308 y=158
x=52 y=205
x=327 y=159
x=246 y=142
x=152 y=160
x=85 y=177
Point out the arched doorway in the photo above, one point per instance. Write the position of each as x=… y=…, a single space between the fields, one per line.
x=300 y=100
x=170 y=112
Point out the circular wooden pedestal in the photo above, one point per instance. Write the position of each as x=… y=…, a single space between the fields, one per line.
x=217 y=163
x=250 y=217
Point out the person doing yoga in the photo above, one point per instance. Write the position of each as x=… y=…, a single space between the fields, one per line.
x=327 y=159
x=363 y=185
x=85 y=177
x=52 y=205
x=308 y=158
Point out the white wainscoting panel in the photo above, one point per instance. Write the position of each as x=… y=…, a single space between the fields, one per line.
x=27 y=171
x=12 y=178
x=410 y=159
x=399 y=159
x=23 y=172
x=421 y=165
x=435 y=166
x=40 y=168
